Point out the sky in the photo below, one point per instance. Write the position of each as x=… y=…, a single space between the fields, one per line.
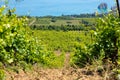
x=57 y=7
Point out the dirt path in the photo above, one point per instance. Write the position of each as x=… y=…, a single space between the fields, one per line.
x=55 y=74
x=67 y=60
x=32 y=22
x=66 y=73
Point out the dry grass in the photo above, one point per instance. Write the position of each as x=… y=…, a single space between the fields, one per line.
x=65 y=73
x=90 y=72
x=54 y=74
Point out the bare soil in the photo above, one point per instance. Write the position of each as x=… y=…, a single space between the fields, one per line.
x=65 y=73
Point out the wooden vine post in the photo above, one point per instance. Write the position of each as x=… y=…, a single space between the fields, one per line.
x=117 y=1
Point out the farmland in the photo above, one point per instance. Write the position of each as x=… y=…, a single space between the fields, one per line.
x=70 y=46
x=80 y=46
x=62 y=23
x=63 y=41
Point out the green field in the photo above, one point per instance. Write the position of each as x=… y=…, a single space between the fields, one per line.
x=59 y=22
x=64 y=41
x=63 y=34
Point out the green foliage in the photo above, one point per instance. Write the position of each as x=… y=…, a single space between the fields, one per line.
x=60 y=40
x=17 y=45
x=53 y=20
x=55 y=23
x=105 y=45
x=51 y=60
x=108 y=36
x=81 y=56
x=58 y=28
x=2 y=75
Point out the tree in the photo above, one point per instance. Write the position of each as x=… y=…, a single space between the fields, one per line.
x=102 y=7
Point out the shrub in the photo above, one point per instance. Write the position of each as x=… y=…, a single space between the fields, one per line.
x=2 y=75
x=17 y=43
x=106 y=43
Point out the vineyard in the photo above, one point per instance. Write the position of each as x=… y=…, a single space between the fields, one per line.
x=72 y=48
x=62 y=23
x=63 y=41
